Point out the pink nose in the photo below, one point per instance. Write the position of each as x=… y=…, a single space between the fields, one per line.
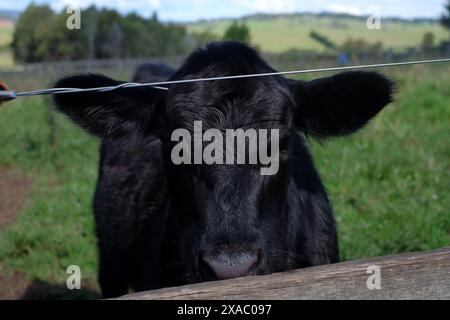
x=234 y=265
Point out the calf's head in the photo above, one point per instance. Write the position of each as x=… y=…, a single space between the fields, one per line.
x=230 y=219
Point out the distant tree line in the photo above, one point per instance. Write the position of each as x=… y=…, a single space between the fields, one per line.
x=42 y=35
x=445 y=18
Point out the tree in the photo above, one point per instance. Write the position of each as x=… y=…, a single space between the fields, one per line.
x=237 y=32
x=428 y=41
x=445 y=18
x=29 y=25
x=200 y=38
x=109 y=34
x=90 y=24
x=60 y=43
x=42 y=35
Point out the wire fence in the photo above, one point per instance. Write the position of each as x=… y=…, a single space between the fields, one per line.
x=43 y=74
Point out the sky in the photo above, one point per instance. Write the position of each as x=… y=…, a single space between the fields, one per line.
x=191 y=10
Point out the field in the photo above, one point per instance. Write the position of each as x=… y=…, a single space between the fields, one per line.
x=277 y=34
x=6 y=31
x=388 y=184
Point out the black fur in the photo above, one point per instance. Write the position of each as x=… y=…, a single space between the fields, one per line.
x=152 y=72
x=340 y=104
x=156 y=220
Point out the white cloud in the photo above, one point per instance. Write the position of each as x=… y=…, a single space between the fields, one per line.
x=344 y=8
x=144 y=7
x=188 y=10
x=267 y=6
x=154 y=3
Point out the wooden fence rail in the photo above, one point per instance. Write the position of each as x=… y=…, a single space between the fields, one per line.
x=421 y=275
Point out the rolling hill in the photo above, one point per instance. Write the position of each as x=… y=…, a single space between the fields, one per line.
x=277 y=33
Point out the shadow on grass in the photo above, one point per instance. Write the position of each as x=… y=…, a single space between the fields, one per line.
x=40 y=290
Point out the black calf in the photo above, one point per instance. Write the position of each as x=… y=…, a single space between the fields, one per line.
x=161 y=224
x=152 y=72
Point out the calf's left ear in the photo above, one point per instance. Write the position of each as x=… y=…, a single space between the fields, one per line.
x=340 y=104
x=109 y=114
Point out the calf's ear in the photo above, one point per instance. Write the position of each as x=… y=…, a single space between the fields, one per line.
x=340 y=104
x=109 y=114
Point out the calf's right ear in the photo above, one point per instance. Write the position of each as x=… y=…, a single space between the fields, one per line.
x=340 y=104
x=109 y=114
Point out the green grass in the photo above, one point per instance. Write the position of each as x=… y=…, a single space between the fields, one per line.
x=388 y=184
x=277 y=34
x=6 y=58
x=6 y=33
x=56 y=228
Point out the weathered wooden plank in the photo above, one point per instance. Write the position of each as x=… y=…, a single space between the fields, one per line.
x=421 y=275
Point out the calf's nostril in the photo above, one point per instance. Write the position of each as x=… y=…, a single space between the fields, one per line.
x=234 y=265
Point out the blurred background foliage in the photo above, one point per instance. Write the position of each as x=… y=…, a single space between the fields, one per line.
x=40 y=34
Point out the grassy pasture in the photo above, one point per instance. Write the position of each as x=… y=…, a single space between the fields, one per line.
x=389 y=184
x=6 y=31
x=278 y=34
